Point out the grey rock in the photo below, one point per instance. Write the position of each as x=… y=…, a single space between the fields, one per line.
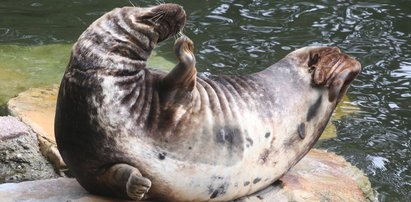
x=319 y=176
x=11 y=127
x=20 y=159
x=51 y=190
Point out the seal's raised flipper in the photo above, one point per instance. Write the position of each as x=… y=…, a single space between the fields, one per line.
x=126 y=181
x=181 y=80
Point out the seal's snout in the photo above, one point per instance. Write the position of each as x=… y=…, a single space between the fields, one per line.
x=171 y=21
x=332 y=69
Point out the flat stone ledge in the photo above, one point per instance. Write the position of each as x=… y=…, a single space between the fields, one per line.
x=320 y=176
x=52 y=190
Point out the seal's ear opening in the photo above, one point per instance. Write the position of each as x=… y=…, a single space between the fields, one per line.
x=146 y=17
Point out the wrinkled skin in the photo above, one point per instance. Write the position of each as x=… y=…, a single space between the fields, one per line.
x=128 y=131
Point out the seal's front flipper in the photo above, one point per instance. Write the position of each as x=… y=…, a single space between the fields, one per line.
x=178 y=84
x=126 y=181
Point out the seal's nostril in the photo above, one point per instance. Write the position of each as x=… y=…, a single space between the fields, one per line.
x=312 y=68
x=313 y=60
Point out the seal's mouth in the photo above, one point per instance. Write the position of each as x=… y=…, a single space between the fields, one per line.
x=167 y=20
x=332 y=69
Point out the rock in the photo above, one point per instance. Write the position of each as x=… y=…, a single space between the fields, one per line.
x=320 y=176
x=20 y=159
x=36 y=107
x=51 y=190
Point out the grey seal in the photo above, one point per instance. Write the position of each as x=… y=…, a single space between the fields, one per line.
x=129 y=131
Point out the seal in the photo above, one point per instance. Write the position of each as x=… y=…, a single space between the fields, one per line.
x=129 y=131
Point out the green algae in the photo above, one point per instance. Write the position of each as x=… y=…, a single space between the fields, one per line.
x=158 y=62
x=23 y=67
x=345 y=107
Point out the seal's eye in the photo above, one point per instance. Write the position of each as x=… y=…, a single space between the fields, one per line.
x=145 y=17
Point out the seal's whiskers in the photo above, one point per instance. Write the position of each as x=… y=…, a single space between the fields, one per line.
x=160 y=2
x=158 y=16
x=162 y=17
x=131 y=3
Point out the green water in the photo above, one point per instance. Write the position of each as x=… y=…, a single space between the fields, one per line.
x=237 y=37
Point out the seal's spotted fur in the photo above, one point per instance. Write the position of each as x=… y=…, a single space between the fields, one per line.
x=128 y=131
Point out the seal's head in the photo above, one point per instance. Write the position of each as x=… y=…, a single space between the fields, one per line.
x=166 y=19
x=328 y=67
x=122 y=39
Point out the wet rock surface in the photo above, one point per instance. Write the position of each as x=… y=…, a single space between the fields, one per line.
x=20 y=159
x=51 y=190
x=320 y=176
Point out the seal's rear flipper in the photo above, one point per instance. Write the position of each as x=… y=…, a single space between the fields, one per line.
x=125 y=181
x=178 y=84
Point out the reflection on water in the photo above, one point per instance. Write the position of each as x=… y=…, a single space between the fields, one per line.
x=237 y=37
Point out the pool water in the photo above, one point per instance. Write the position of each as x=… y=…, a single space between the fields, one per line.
x=239 y=37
